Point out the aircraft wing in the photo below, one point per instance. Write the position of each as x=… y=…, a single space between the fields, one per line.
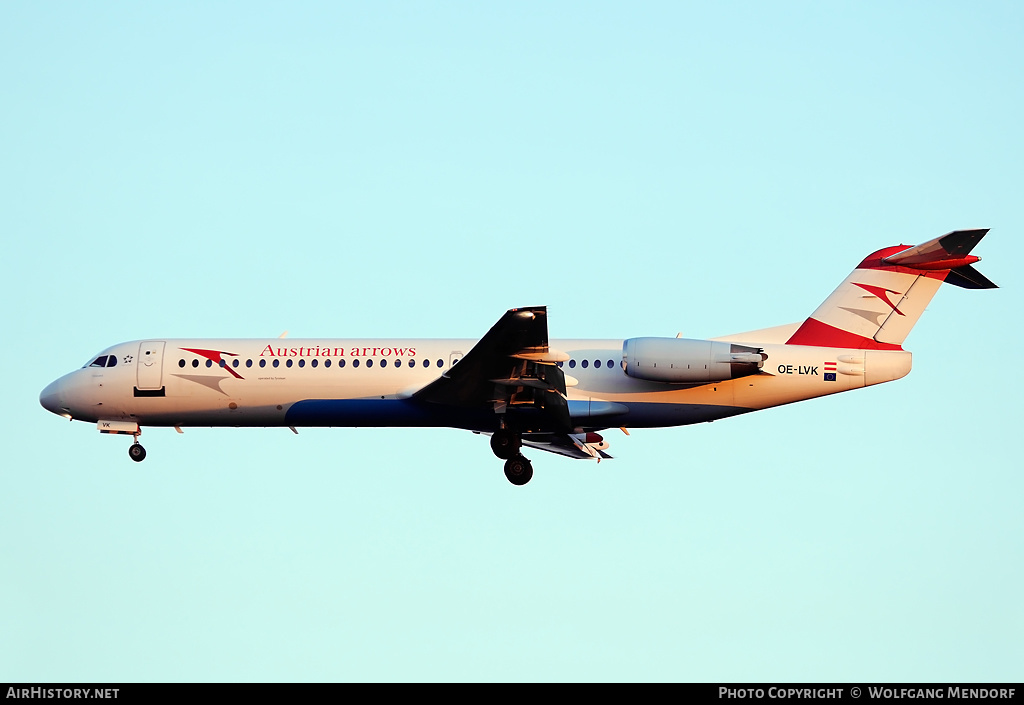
x=512 y=371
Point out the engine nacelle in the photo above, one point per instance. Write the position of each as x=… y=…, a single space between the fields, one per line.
x=681 y=360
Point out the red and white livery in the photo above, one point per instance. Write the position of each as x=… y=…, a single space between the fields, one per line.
x=516 y=385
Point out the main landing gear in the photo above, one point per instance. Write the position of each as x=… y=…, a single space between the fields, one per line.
x=506 y=444
x=518 y=470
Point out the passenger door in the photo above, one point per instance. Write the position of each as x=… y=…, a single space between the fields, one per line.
x=150 y=364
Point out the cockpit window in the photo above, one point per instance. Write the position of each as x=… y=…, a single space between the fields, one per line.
x=103 y=361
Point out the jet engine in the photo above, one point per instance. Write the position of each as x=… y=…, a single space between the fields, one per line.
x=685 y=361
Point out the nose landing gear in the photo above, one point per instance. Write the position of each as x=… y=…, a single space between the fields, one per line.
x=136 y=452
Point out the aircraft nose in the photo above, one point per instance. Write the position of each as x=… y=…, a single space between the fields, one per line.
x=50 y=398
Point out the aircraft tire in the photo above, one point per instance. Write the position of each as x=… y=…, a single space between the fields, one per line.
x=137 y=453
x=518 y=470
x=505 y=444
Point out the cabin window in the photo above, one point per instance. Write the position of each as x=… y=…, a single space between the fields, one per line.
x=276 y=362
x=341 y=363
x=369 y=363
x=209 y=363
x=383 y=363
x=248 y=363
x=355 y=363
x=181 y=363
x=313 y=362
x=195 y=363
x=302 y=363
x=288 y=363
x=572 y=364
x=263 y=363
x=584 y=364
x=398 y=362
x=440 y=363
x=327 y=362
x=597 y=363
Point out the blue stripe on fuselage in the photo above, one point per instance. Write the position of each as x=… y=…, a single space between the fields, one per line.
x=410 y=413
x=385 y=412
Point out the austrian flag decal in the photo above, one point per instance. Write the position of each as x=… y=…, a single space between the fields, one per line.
x=830 y=371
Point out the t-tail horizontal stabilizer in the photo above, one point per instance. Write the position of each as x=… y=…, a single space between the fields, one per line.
x=969 y=278
x=950 y=252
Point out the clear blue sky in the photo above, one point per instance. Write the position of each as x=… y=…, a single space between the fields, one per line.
x=414 y=169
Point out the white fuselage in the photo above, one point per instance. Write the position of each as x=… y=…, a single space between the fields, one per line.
x=370 y=382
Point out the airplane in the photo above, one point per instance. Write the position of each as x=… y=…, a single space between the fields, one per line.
x=514 y=384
